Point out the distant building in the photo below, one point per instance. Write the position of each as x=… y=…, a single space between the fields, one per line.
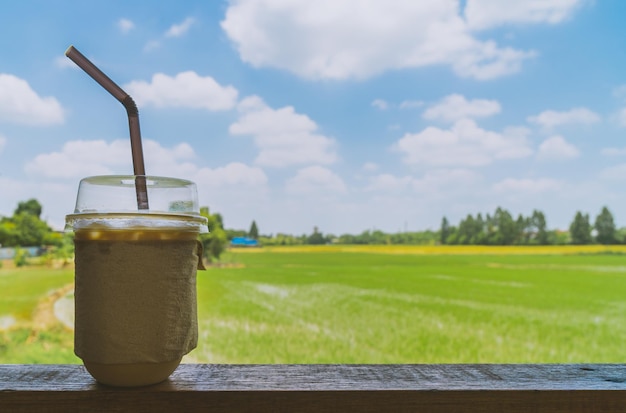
x=244 y=242
x=9 y=253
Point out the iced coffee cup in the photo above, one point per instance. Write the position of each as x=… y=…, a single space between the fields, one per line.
x=135 y=277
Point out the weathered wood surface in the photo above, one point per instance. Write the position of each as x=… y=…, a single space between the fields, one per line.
x=326 y=388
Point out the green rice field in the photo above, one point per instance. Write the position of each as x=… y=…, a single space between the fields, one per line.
x=373 y=305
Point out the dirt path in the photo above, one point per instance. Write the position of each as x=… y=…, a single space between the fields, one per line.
x=57 y=307
x=64 y=309
x=6 y=322
x=48 y=312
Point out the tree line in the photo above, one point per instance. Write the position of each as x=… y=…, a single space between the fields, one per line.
x=26 y=228
x=502 y=229
x=499 y=228
x=367 y=237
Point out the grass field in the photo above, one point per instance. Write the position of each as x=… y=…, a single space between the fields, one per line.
x=28 y=331
x=379 y=305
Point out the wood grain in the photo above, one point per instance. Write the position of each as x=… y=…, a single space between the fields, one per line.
x=327 y=388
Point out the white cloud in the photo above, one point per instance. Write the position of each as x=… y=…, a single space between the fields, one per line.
x=388 y=182
x=557 y=148
x=21 y=104
x=231 y=187
x=57 y=199
x=64 y=63
x=411 y=104
x=380 y=104
x=283 y=136
x=529 y=186
x=437 y=179
x=12 y=191
x=455 y=107
x=483 y=14
x=315 y=179
x=178 y=30
x=613 y=151
x=370 y=166
x=328 y=39
x=614 y=173
x=435 y=188
x=486 y=61
x=83 y=158
x=251 y=104
x=464 y=144
x=78 y=159
x=151 y=45
x=174 y=161
x=3 y=142
x=434 y=183
x=125 y=25
x=548 y=119
x=186 y=89
x=232 y=175
x=447 y=182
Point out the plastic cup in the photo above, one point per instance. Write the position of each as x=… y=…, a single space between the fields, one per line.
x=135 y=277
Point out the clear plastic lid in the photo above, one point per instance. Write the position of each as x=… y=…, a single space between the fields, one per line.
x=111 y=201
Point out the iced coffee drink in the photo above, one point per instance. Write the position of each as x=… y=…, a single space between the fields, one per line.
x=135 y=281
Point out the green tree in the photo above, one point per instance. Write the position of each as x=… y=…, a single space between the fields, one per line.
x=490 y=230
x=233 y=233
x=620 y=236
x=214 y=243
x=254 y=231
x=469 y=230
x=32 y=207
x=558 y=237
x=20 y=258
x=453 y=238
x=580 y=229
x=219 y=220
x=63 y=250
x=427 y=237
x=480 y=236
x=8 y=235
x=605 y=227
x=316 y=238
x=537 y=226
x=279 y=239
x=30 y=230
x=25 y=228
x=504 y=230
x=521 y=230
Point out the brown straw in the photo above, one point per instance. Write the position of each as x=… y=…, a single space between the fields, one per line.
x=133 y=120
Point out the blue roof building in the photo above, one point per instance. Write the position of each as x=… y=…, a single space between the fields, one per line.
x=244 y=242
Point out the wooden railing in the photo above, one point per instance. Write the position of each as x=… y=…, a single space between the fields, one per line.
x=326 y=388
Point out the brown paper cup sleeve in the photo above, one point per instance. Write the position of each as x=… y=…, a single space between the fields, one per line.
x=140 y=313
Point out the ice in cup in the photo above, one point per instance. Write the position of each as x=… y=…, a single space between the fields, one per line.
x=135 y=277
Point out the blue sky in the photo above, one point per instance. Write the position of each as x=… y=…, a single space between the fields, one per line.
x=346 y=115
